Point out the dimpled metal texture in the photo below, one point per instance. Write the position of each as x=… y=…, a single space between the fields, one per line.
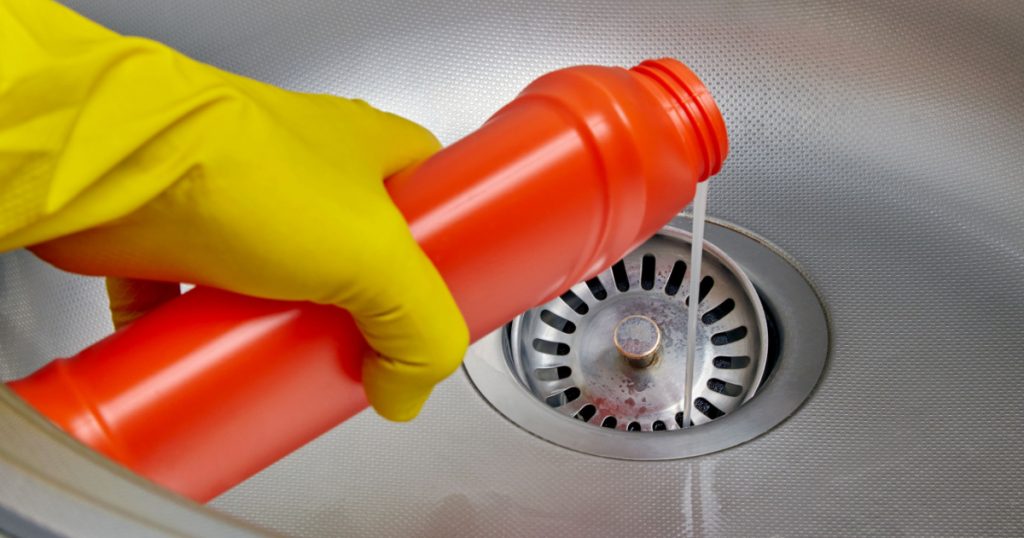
x=879 y=143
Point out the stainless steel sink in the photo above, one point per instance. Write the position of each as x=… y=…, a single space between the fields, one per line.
x=879 y=144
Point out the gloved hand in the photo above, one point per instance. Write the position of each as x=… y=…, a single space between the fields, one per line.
x=123 y=158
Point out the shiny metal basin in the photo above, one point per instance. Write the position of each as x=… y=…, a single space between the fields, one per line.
x=880 y=144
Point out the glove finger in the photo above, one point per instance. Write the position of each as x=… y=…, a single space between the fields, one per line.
x=393 y=393
x=412 y=321
x=131 y=298
x=393 y=141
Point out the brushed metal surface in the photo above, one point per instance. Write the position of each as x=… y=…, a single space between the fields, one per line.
x=879 y=143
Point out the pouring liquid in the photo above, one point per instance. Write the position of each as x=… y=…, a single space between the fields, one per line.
x=700 y=202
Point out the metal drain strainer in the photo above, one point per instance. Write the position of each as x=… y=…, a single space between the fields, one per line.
x=612 y=350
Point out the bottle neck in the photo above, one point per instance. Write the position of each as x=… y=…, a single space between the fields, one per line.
x=691 y=107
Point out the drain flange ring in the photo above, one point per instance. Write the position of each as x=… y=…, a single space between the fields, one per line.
x=802 y=345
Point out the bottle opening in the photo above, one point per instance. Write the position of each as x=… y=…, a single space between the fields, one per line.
x=694 y=102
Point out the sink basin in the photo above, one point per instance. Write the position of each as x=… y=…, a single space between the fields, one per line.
x=880 y=145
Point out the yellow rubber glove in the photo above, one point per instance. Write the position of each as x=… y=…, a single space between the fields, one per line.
x=121 y=157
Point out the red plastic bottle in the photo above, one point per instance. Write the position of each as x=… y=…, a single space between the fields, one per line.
x=585 y=164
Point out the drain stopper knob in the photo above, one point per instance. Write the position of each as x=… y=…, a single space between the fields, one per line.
x=638 y=339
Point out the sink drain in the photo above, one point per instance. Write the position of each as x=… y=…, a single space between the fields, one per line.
x=612 y=350
x=601 y=368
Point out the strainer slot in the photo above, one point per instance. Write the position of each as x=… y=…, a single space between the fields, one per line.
x=731 y=363
x=675 y=278
x=550 y=348
x=609 y=422
x=647 y=271
x=730 y=336
x=633 y=427
x=557 y=322
x=574 y=302
x=724 y=387
x=706 y=407
x=620 y=276
x=658 y=426
x=717 y=313
x=586 y=413
x=597 y=289
x=563 y=397
x=680 y=416
x=706 y=284
x=553 y=374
